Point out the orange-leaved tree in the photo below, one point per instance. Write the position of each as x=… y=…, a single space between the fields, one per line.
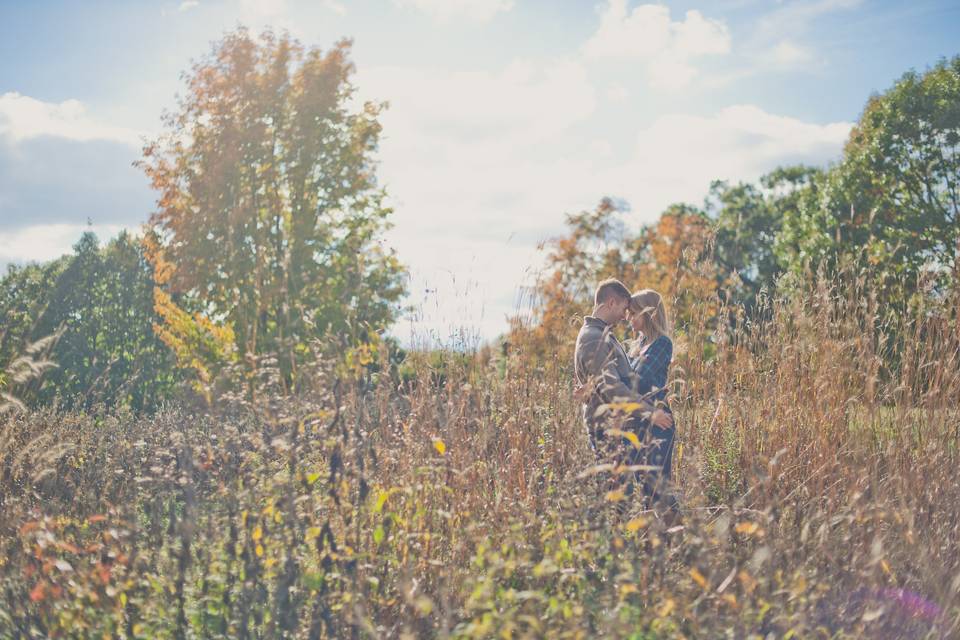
x=269 y=219
x=673 y=256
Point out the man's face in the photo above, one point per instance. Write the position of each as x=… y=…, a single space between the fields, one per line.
x=618 y=307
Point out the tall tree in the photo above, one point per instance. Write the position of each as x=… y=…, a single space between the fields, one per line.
x=269 y=217
x=892 y=205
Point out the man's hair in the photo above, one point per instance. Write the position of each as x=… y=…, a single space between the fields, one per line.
x=609 y=289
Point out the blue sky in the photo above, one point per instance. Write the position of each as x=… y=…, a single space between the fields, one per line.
x=505 y=114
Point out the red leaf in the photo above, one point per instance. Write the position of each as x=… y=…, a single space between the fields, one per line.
x=38 y=592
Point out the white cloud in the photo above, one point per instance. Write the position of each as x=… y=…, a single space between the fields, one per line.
x=617 y=93
x=479 y=167
x=525 y=101
x=58 y=164
x=39 y=243
x=23 y=117
x=795 y=17
x=775 y=41
x=678 y=155
x=446 y=10
x=259 y=10
x=789 y=54
x=336 y=7
x=186 y=5
x=482 y=166
x=666 y=48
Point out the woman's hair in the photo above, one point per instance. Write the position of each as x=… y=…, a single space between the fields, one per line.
x=649 y=303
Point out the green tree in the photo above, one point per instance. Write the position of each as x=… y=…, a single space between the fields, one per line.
x=269 y=219
x=890 y=207
x=748 y=219
x=98 y=305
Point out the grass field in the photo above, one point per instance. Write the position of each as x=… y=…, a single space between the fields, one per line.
x=453 y=497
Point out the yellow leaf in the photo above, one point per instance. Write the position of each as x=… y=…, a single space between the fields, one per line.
x=699 y=579
x=423 y=605
x=257 y=533
x=312 y=477
x=382 y=499
x=629 y=435
x=666 y=608
x=259 y=550
x=636 y=524
x=626 y=589
x=747 y=528
x=313 y=532
x=440 y=446
x=626 y=407
x=615 y=496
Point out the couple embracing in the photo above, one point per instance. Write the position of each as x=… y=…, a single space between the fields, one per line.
x=608 y=374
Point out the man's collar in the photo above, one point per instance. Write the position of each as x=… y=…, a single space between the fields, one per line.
x=595 y=321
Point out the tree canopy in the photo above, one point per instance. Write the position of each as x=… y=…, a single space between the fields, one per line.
x=269 y=219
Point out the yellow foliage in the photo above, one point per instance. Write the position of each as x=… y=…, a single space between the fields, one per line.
x=699 y=579
x=636 y=524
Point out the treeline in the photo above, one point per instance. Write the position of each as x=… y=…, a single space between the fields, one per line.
x=265 y=254
x=885 y=218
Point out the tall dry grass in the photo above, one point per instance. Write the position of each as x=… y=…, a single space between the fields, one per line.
x=816 y=460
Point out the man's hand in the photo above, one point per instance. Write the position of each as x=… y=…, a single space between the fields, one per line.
x=660 y=418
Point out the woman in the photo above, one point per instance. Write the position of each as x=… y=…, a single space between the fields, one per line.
x=650 y=357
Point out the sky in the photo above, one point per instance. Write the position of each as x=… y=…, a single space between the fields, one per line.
x=504 y=116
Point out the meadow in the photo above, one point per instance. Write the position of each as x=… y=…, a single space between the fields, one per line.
x=455 y=496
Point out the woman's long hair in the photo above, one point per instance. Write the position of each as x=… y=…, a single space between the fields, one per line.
x=649 y=304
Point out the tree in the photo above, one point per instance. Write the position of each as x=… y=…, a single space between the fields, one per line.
x=269 y=217
x=674 y=256
x=97 y=305
x=590 y=252
x=890 y=208
x=748 y=219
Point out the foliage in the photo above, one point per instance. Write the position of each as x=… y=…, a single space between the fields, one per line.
x=891 y=205
x=674 y=256
x=98 y=302
x=269 y=216
x=748 y=219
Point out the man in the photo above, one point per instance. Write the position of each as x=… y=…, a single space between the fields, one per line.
x=604 y=375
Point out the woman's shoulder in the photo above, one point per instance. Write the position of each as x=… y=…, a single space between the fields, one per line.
x=661 y=342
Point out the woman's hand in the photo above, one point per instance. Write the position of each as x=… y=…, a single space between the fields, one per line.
x=662 y=419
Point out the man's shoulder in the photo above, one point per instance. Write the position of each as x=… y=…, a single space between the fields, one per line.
x=591 y=328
